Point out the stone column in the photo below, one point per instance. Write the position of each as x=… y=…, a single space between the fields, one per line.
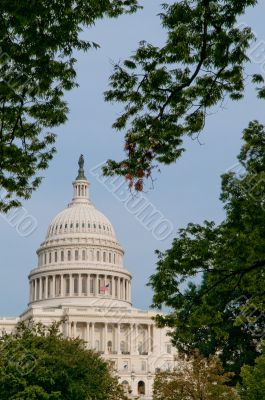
x=75 y=329
x=61 y=286
x=46 y=287
x=70 y=285
x=40 y=291
x=136 y=338
x=119 y=288
x=119 y=339
x=35 y=289
x=92 y=334
x=88 y=285
x=87 y=333
x=105 y=347
x=148 y=339
x=53 y=286
x=112 y=288
x=131 y=339
x=79 y=285
x=96 y=286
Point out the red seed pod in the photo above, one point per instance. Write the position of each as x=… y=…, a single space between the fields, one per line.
x=139 y=185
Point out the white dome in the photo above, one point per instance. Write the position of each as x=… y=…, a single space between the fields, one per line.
x=80 y=260
x=80 y=218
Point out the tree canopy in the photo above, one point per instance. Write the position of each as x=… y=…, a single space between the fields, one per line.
x=168 y=91
x=213 y=276
x=37 y=43
x=253 y=386
x=196 y=379
x=38 y=363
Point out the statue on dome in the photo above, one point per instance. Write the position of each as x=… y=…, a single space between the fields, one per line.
x=81 y=162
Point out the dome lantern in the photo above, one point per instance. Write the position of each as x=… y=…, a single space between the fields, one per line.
x=81 y=184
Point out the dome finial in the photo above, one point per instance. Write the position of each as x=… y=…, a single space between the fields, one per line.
x=81 y=172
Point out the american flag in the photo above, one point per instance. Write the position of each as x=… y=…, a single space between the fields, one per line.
x=104 y=288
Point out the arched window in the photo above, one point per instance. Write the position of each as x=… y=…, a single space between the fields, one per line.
x=62 y=255
x=126 y=387
x=104 y=256
x=69 y=255
x=141 y=387
x=76 y=255
x=83 y=255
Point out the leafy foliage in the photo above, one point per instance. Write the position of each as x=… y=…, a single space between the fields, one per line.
x=167 y=91
x=37 y=41
x=224 y=310
x=197 y=379
x=253 y=386
x=38 y=363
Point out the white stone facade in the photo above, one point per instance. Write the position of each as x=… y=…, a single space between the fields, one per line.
x=80 y=278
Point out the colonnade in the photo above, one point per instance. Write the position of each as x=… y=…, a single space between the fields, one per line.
x=78 y=284
x=114 y=338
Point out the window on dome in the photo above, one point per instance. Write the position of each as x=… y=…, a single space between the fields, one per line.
x=76 y=255
x=62 y=256
x=71 y=226
x=76 y=225
x=109 y=257
x=114 y=258
x=95 y=226
x=99 y=226
x=57 y=285
x=116 y=287
x=65 y=226
x=88 y=225
x=104 y=256
x=104 y=227
x=45 y=258
x=67 y=285
x=56 y=227
x=49 y=286
x=61 y=226
x=75 y=284
x=69 y=255
x=83 y=225
x=92 y=285
x=55 y=256
x=84 y=284
x=83 y=255
x=98 y=256
x=50 y=257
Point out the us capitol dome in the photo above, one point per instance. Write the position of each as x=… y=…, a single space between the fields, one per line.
x=81 y=279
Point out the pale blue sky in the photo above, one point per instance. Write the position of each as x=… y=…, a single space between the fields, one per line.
x=185 y=192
